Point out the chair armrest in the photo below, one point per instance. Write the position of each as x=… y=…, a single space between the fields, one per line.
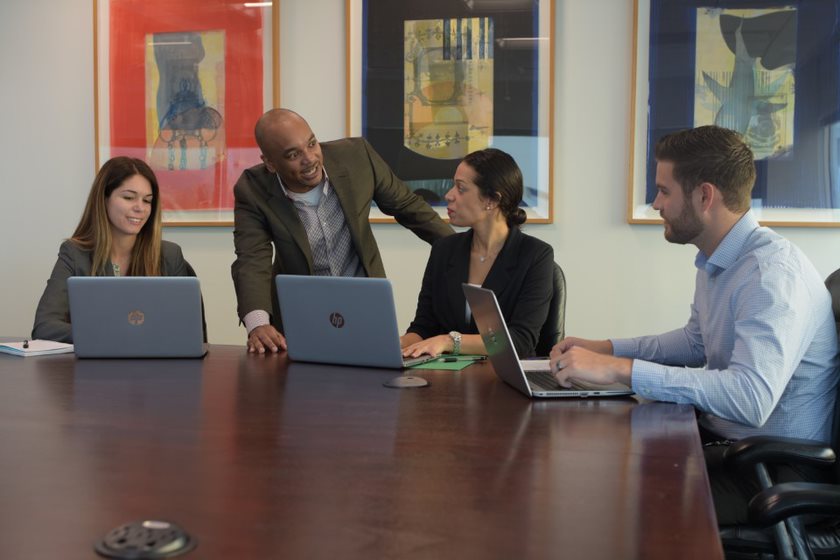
x=790 y=499
x=746 y=453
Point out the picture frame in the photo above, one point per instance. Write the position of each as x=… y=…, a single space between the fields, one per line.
x=180 y=85
x=767 y=69
x=439 y=79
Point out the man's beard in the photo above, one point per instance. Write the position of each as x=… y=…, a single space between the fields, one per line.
x=685 y=228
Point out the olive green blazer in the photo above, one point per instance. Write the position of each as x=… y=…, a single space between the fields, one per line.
x=267 y=226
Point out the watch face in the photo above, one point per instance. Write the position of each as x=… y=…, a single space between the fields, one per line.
x=456 y=341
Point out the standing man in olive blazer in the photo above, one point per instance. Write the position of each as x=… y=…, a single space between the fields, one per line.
x=311 y=201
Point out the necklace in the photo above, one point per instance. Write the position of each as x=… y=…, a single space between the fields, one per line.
x=483 y=258
x=116 y=268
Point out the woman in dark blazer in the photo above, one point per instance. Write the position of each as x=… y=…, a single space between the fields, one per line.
x=119 y=234
x=493 y=253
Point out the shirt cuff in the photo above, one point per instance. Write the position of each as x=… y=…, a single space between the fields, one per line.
x=623 y=347
x=647 y=379
x=256 y=318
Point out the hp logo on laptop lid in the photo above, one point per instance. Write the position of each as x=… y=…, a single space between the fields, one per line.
x=136 y=317
x=337 y=320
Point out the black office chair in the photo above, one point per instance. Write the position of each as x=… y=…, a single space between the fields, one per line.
x=554 y=328
x=798 y=520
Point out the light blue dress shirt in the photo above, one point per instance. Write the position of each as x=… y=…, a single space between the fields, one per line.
x=759 y=352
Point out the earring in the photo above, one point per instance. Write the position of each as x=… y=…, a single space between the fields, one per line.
x=488 y=207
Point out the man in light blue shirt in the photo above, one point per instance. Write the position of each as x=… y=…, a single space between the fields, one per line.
x=759 y=352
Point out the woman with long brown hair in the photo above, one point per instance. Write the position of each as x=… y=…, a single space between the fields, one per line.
x=119 y=234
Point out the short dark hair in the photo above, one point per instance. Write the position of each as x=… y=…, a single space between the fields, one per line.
x=711 y=154
x=500 y=179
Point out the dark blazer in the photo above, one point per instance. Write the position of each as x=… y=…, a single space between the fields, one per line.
x=263 y=217
x=52 y=319
x=521 y=278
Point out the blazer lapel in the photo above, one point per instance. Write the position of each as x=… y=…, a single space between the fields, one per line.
x=342 y=186
x=288 y=216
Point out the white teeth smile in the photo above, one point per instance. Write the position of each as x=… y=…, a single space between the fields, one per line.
x=311 y=171
x=135 y=220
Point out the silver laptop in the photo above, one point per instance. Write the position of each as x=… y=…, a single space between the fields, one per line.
x=136 y=317
x=341 y=320
x=535 y=382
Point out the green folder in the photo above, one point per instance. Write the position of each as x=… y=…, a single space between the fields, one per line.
x=452 y=363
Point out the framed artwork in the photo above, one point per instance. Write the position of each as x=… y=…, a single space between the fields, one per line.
x=180 y=85
x=429 y=82
x=768 y=69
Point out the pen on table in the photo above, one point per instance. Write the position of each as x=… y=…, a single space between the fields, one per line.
x=26 y=343
x=471 y=359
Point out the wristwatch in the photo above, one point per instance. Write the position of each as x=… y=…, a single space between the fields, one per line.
x=456 y=342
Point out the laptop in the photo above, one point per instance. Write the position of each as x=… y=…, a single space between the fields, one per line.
x=136 y=316
x=341 y=320
x=536 y=382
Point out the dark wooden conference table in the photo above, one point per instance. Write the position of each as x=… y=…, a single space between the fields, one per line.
x=257 y=457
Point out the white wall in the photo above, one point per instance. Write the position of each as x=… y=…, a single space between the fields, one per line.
x=622 y=279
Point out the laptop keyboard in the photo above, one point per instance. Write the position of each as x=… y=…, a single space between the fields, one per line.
x=543 y=380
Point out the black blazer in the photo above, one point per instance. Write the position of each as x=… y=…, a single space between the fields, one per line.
x=521 y=277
